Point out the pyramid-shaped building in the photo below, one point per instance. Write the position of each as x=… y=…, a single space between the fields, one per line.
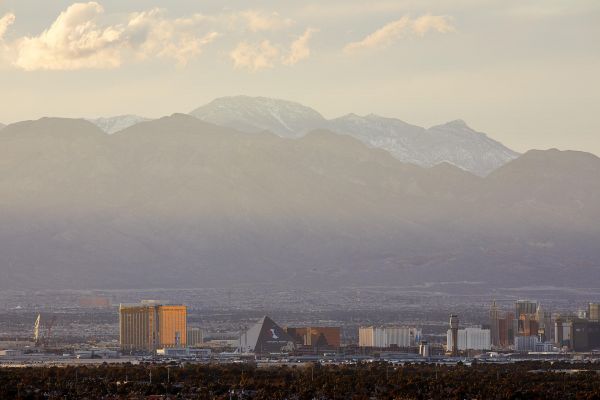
x=265 y=337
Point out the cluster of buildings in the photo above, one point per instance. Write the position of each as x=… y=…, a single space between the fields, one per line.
x=154 y=327
x=530 y=328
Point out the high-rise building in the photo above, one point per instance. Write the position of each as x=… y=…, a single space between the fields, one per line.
x=583 y=334
x=544 y=319
x=453 y=340
x=528 y=318
x=525 y=307
x=594 y=312
x=527 y=325
x=562 y=331
x=148 y=326
x=388 y=336
x=473 y=338
x=195 y=336
x=495 y=324
x=424 y=349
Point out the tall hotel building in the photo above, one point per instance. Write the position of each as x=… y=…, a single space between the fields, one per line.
x=388 y=336
x=150 y=325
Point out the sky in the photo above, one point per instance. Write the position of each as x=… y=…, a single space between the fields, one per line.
x=525 y=72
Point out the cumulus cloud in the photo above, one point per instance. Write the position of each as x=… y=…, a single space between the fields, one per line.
x=299 y=49
x=83 y=37
x=265 y=55
x=151 y=34
x=73 y=41
x=402 y=27
x=77 y=40
x=261 y=21
x=6 y=21
x=254 y=56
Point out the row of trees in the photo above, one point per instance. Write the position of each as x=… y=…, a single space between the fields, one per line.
x=527 y=380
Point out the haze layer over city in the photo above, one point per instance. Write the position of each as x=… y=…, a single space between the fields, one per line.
x=299 y=182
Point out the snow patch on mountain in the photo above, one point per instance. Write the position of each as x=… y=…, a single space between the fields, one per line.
x=453 y=142
x=255 y=114
x=117 y=123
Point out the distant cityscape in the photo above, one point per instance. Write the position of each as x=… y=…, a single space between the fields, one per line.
x=167 y=330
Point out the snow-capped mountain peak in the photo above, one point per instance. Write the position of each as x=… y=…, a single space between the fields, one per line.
x=453 y=142
x=252 y=114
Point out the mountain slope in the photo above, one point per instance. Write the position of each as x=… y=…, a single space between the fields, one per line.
x=178 y=202
x=454 y=142
x=255 y=114
x=111 y=125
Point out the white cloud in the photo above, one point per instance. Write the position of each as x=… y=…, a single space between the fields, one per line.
x=261 y=21
x=437 y=23
x=77 y=40
x=6 y=21
x=151 y=34
x=299 y=49
x=402 y=27
x=73 y=41
x=265 y=55
x=254 y=56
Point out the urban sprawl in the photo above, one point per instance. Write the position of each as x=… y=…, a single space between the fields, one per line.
x=158 y=331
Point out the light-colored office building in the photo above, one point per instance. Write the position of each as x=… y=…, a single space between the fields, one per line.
x=195 y=336
x=148 y=326
x=388 y=336
x=473 y=338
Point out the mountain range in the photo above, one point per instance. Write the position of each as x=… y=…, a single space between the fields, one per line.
x=181 y=202
x=453 y=142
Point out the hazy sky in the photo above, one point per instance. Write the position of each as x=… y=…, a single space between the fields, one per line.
x=526 y=72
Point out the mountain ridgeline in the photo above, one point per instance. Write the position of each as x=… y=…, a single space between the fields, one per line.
x=180 y=202
x=453 y=143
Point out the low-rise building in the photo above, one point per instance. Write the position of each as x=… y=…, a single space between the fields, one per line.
x=315 y=336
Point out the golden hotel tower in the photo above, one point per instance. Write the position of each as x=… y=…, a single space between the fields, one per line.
x=149 y=326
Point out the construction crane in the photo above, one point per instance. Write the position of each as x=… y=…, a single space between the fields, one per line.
x=45 y=338
x=36 y=330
